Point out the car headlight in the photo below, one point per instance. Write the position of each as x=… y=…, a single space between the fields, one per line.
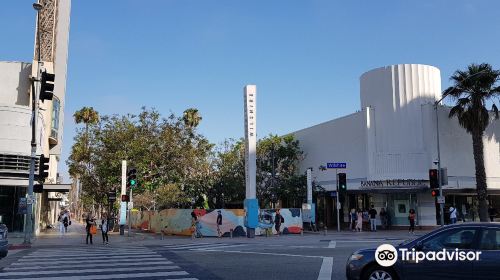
x=356 y=257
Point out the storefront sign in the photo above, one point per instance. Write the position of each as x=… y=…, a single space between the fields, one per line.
x=395 y=183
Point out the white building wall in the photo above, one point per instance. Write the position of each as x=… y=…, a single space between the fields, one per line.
x=395 y=95
x=339 y=140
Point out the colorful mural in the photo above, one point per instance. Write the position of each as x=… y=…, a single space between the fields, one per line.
x=178 y=221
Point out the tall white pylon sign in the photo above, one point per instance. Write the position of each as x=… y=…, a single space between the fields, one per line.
x=251 y=203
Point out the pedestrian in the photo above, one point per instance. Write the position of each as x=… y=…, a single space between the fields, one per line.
x=89 y=227
x=105 y=229
x=278 y=220
x=195 y=226
x=373 y=218
x=66 y=220
x=411 y=218
x=60 y=219
x=354 y=218
x=492 y=212
x=219 y=223
x=453 y=215
x=359 y=221
x=383 y=218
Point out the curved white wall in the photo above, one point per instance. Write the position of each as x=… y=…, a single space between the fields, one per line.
x=396 y=127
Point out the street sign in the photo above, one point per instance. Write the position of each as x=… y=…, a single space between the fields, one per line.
x=336 y=165
x=440 y=199
x=30 y=199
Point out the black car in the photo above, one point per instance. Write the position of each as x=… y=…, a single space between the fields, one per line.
x=482 y=239
x=4 y=243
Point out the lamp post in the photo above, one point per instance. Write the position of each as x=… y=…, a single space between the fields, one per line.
x=34 y=113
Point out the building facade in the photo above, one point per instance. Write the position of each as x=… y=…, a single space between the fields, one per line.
x=15 y=119
x=389 y=146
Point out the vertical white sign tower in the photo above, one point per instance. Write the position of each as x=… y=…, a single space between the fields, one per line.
x=251 y=203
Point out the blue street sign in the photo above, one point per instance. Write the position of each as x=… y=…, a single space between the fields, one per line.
x=336 y=165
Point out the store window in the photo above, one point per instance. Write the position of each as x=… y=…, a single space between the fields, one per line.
x=56 y=107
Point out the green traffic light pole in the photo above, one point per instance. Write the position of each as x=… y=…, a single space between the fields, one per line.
x=337 y=198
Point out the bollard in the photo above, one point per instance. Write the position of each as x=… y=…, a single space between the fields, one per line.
x=301 y=232
x=231 y=233
x=325 y=231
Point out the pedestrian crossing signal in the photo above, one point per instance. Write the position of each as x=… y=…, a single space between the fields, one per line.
x=125 y=198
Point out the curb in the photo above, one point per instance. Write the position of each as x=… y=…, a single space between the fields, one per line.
x=19 y=246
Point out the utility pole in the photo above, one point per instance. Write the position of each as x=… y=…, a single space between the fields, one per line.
x=34 y=114
x=337 y=198
x=441 y=203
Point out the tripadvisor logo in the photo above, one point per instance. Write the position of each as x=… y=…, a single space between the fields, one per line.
x=387 y=255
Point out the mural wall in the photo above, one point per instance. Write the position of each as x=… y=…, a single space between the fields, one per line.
x=178 y=221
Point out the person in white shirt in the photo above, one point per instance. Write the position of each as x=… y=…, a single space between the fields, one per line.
x=453 y=214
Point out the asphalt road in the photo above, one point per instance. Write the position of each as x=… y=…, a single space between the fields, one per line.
x=313 y=256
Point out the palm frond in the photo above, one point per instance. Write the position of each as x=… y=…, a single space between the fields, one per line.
x=457 y=110
x=495 y=110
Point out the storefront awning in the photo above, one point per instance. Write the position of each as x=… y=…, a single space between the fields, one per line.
x=62 y=188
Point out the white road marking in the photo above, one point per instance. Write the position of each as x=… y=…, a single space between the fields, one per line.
x=90 y=270
x=332 y=244
x=94 y=257
x=157 y=258
x=100 y=264
x=325 y=272
x=258 y=253
x=109 y=276
x=217 y=247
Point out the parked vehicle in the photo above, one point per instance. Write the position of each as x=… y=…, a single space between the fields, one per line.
x=4 y=243
x=464 y=237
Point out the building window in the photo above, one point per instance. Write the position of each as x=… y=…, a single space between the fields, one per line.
x=56 y=107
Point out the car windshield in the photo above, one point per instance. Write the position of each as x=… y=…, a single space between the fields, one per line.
x=407 y=241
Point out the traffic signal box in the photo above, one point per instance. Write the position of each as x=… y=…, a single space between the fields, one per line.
x=132 y=178
x=47 y=86
x=433 y=178
x=43 y=168
x=435 y=192
x=342 y=177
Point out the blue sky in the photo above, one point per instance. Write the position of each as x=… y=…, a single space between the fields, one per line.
x=305 y=57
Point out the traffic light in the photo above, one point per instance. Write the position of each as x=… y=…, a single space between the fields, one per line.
x=132 y=178
x=342 y=182
x=125 y=198
x=433 y=178
x=435 y=192
x=47 y=86
x=43 y=167
x=38 y=188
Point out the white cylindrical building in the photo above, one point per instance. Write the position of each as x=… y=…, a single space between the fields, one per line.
x=396 y=129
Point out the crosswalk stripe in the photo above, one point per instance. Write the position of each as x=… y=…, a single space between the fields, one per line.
x=196 y=246
x=90 y=270
x=108 y=276
x=157 y=258
x=115 y=264
x=84 y=255
x=87 y=257
x=183 y=245
x=218 y=247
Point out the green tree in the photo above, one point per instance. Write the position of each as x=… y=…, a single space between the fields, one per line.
x=473 y=89
x=191 y=117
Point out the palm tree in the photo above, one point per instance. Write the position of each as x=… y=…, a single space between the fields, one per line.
x=87 y=116
x=191 y=117
x=473 y=88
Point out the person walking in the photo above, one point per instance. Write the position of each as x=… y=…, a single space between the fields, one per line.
x=60 y=219
x=219 y=223
x=373 y=218
x=105 y=229
x=278 y=219
x=453 y=215
x=411 y=218
x=66 y=220
x=359 y=221
x=354 y=218
x=89 y=223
